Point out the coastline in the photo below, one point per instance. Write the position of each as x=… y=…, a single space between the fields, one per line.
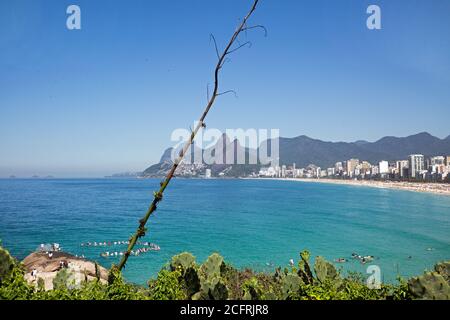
x=434 y=188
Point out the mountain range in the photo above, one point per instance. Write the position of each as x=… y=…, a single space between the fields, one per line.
x=303 y=150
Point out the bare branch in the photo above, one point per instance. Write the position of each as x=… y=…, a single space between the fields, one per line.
x=229 y=91
x=211 y=37
x=255 y=27
x=140 y=232
x=239 y=47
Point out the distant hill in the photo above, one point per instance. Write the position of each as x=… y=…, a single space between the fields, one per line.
x=303 y=150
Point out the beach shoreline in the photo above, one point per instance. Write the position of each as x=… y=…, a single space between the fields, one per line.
x=434 y=188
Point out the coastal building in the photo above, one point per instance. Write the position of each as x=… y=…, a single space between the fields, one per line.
x=268 y=172
x=351 y=166
x=436 y=165
x=438 y=160
x=416 y=165
x=298 y=173
x=208 y=173
x=383 y=167
x=338 y=168
x=365 y=167
x=331 y=171
x=402 y=168
x=375 y=170
x=283 y=171
x=277 y=171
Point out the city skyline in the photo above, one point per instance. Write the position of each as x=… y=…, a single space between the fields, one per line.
x=92 y=102
x=50 y=173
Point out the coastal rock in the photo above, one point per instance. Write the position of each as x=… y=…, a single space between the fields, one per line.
x=80 y=270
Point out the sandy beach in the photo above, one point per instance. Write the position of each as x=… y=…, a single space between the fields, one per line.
x=436 y=188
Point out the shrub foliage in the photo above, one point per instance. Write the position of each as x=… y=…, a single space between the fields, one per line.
x=183 y=278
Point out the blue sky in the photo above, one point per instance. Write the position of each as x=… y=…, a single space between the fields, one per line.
x=106 y=98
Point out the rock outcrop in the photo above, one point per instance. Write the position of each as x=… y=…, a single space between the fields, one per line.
x=46 y=268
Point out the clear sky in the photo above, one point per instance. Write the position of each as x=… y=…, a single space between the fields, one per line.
x=106 y=98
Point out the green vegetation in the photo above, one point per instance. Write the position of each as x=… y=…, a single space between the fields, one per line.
x=184 y=278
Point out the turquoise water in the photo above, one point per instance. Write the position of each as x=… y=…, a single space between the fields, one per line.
x=252 y=223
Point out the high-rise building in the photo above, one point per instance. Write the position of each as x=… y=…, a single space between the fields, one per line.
x=365 y=165
x=402 y=167
x=416 y=165
x=439 y=160
x=351 y=166
x=383 y=167
x=318 y=173
x=375 y=170
x=338 y=167
x=436 y=164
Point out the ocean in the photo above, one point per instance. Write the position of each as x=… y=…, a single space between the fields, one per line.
x=260 y=224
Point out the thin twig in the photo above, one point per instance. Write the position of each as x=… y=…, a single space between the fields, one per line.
x=226 y=92
x=257 y=26
x=211 y=36
x=241 y=46
x=158 y=195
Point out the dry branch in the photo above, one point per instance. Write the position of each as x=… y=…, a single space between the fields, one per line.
x=140 y=232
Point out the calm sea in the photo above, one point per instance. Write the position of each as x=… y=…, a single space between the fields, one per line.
x=252 y=223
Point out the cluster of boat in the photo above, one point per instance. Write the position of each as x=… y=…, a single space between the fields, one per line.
x=147 y=247
x=104 y=243
x=362 y=259
x=137 y=252
x=113 y=243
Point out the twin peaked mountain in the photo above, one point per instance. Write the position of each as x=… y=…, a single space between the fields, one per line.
x=303 y=151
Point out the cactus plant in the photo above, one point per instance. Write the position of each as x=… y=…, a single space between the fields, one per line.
x=443 y=269
x=212 y=286
x=279 y=275
x=192 y=281
x=304 y=270
x=325 y=271
x=290 y=285
x=183 y=260
x=252 y=289
x=7 y=264
x=217 y=289
x=430 y=286
x=270 y=295
x=212 y=265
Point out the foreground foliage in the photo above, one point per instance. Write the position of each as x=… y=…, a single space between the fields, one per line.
x=184 y=278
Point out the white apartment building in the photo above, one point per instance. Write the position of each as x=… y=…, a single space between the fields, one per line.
x=416 y=165
x=383 y=167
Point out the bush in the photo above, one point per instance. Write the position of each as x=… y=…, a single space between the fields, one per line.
x=215 y=279
x=167 y=286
